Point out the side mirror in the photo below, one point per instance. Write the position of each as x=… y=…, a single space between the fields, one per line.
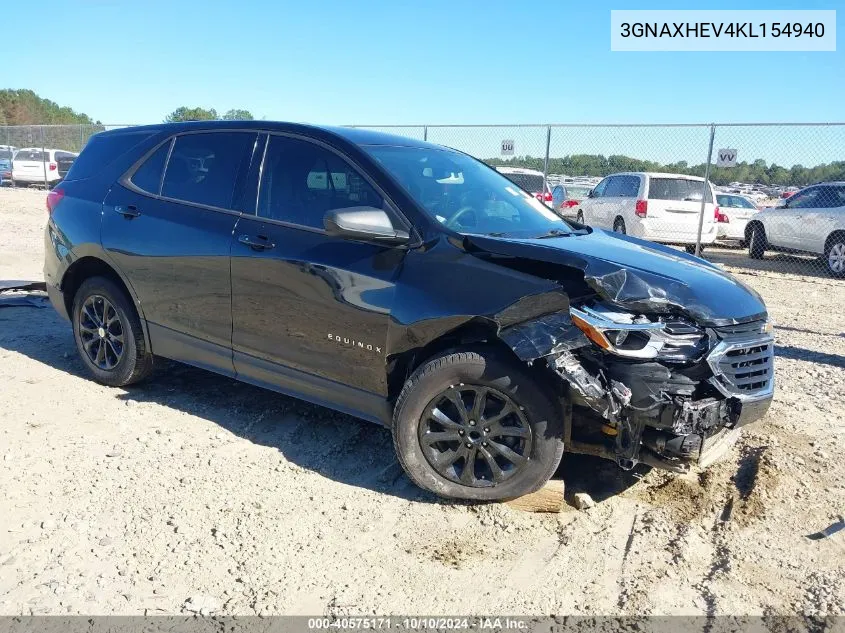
x=366 y=224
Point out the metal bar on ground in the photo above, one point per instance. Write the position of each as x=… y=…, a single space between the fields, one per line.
x=704 y=191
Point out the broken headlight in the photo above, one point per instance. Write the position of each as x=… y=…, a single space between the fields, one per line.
x=636 y=336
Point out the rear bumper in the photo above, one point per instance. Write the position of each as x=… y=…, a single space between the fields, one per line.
x=35 y=179
x=735 y=230
x=652 y=229
x=58 y=300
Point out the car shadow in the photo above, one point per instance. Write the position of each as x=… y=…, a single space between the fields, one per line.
x=783 y=263
x=809 y=355
x=337 y=446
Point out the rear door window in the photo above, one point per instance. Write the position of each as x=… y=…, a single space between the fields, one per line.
x=205 y=168
x=678 y=189
x=148 y=176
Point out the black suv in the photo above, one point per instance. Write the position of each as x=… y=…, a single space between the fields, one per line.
x=408 y=284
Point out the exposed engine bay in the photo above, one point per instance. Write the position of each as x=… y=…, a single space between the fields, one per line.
x=657 y=389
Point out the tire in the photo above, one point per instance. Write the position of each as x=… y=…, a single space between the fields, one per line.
x=118 y=354
x=579 y=217
x=690 y=248
x=757 y=242
x=533 y=414
x=619 y=226
x=834 y=255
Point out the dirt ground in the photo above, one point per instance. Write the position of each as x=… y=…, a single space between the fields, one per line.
x=196 y=492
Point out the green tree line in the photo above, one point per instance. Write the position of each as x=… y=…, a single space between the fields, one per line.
x=210 y=114
x=758 y=171
x=24 y=107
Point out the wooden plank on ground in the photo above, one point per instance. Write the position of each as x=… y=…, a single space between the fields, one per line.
x=549 y=498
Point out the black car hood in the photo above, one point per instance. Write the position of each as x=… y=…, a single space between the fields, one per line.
x=639 y=275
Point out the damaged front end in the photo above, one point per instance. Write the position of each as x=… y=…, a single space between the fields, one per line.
x=657 y=389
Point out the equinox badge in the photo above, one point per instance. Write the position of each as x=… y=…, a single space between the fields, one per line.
x=353 y=343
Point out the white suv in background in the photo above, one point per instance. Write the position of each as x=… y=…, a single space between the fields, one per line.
x=529 y=180
x=659 y=207
x=810 y=221
x=32 y=165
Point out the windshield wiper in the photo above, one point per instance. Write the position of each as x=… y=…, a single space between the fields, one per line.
x=553 y=233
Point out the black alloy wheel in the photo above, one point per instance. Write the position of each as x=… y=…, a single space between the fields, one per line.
x=475 y=435
x=101 y=332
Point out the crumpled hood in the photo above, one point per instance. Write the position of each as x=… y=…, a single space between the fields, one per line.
x=639 y=275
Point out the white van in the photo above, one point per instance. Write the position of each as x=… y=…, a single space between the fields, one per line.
x=659 y=207
x=32 y=165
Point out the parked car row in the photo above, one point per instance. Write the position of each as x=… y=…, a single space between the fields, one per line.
x=666 y=208
x=34 y=165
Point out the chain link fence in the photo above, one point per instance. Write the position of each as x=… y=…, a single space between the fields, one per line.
x=776 y=200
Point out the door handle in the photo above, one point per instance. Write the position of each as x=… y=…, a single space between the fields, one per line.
x=128 y=212
x=260 y=244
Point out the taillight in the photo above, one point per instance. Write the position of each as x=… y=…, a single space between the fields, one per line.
x=547 y=196
x=53 y=166
x=54 y=197
x=570 y=203
x=642 y=208
x=720 y=217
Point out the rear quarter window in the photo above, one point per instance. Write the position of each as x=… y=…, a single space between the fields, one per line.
x=101 y=151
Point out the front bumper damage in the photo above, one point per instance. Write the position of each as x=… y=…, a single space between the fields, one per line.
x=673 y=414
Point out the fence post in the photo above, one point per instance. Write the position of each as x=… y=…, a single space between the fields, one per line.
x=81 y=137
x=546 y=161
x=704 y=190
x=44 y=157
x=425 y=132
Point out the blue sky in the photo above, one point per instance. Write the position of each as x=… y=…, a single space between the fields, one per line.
x=389 y=62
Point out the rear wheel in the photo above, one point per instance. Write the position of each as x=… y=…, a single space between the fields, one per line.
x=834 y=255
x=619 y=226
x=108 y=334
x=690 y=248
x=756 y=242
x=473 y=425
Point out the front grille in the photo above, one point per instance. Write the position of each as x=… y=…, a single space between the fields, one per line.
x=743 y=361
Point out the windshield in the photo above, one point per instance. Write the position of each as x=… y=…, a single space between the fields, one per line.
x=531 y=183
x=677 y=189
x=466 y=195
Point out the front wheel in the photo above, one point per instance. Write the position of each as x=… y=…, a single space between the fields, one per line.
x=108 y=334
x=473 y=425
x=834 y=256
